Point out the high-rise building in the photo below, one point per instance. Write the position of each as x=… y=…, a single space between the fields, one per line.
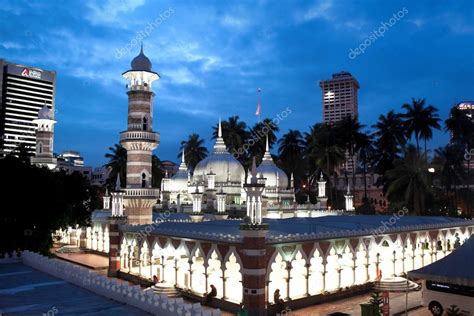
x=24 y=90
x=339 y=97
x=340 y=101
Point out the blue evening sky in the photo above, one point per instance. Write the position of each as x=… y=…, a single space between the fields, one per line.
x=213 y=55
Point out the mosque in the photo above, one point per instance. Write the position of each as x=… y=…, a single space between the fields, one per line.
x=304 y=252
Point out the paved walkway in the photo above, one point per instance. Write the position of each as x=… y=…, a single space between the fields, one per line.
x=352 y=306
x=88 y=260
x=26 y=291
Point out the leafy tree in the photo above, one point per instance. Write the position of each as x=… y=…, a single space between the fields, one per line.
x=352 y=139
x=46 y=202
x=448 y=162
x=323 y=152
x=376 y=300
x=117 y=164
x=157 y=172
x=259 y=133
x=389 y=137
x=235 y=135
x=409 y=180
x=461 y=127
x=291 y=150
x=194 y=150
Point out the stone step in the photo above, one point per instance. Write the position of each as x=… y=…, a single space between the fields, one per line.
x=170 y=291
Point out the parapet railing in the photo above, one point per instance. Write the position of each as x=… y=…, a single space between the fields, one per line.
x=146 y=300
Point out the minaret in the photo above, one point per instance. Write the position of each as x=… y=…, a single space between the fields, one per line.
x=106 y=200
x=117 y=199
x=253 y=245
x=349 y=200
x=44 y=138
x=254 y=191
x=140 y=140
x=323 y=200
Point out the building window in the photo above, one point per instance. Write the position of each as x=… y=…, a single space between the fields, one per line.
x=143 y=180
x=145 y=124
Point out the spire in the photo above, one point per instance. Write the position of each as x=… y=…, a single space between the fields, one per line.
x=219 y=133
x=267 y=155
x=254 y=171
x=321 y=177
x=106 y=191
x=118 y=186
x=348 y=189
x=219 y=146
x=182 y=157
x=141 y=49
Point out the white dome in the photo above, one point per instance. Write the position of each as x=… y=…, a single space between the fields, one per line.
x=221 y=163
x=275 y=177
x=226 y=168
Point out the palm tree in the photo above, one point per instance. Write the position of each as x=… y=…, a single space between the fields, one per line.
x=291 y=148
x=258 y=136
x=366 y=154
x=448 y=160
x=461 y=128
x=323 y=151
x=194 y=150
x=157 y=172
x=420 y=120
x=409 y=180
x=389 y=139
x=235 y=135
x=117 y=164
x=352 y=139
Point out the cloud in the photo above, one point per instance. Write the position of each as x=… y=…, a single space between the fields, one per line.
x=110 y=11
x=319 y=10
x=181 y=76
x=12 y=45
x=234 y=22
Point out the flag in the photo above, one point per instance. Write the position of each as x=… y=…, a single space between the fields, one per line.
x=257 y=113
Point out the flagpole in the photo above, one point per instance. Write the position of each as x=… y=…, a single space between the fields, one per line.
x=259 y=105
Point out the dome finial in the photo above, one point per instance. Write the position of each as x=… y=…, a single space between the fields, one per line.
x=141 y=49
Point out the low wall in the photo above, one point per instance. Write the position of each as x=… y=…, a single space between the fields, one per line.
x=10 y=258
x=113 y=289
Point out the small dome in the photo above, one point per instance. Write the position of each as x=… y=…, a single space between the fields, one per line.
x=141 y=62
x=221 y=163
x=45 y=113
x=275 y=177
